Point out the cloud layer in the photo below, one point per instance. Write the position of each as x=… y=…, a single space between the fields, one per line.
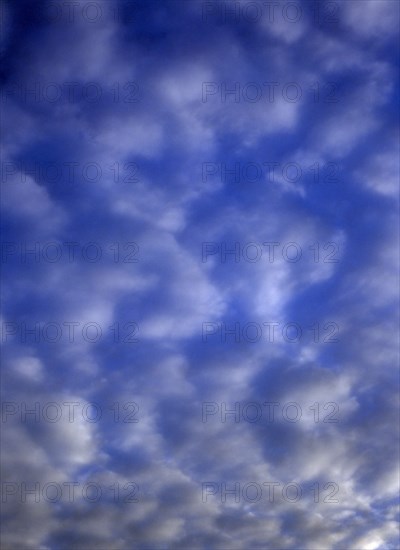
x=199 y=275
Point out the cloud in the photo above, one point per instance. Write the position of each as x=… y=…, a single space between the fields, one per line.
x=150 y=371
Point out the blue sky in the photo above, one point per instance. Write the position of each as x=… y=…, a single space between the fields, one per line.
x=200 y=229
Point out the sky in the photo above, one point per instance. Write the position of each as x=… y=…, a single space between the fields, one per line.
x=200 y=275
